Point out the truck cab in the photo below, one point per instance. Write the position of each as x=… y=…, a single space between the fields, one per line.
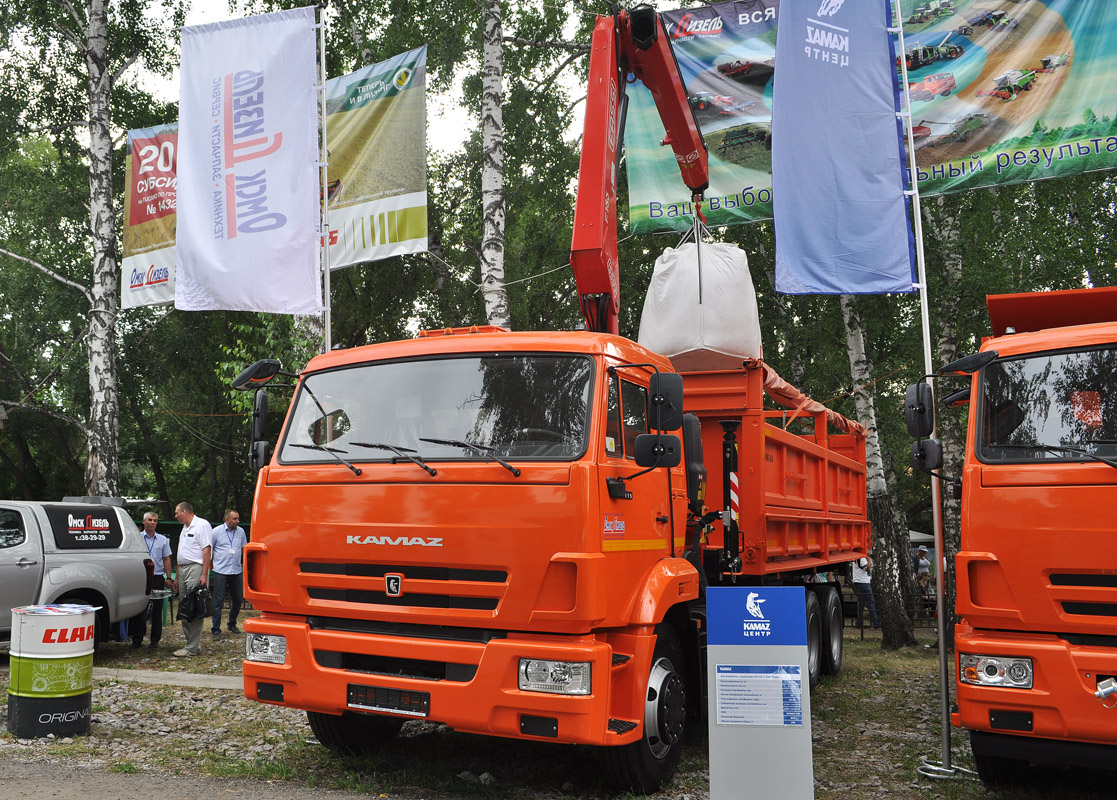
x=1036 y=586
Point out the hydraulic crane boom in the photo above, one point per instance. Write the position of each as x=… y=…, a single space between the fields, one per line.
x=625 y=43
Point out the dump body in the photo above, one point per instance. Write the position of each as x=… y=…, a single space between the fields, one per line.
x=404 y=593
x=1036 y=586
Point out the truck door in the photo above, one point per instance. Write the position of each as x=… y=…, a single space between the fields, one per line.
x=639 y=523
x=21 y=563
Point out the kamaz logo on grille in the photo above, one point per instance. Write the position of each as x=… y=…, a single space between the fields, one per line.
x=393 y=584
x=396 y=541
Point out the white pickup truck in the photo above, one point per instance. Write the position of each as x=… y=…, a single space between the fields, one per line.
x=82 y=550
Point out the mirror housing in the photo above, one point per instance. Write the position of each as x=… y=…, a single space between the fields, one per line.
x=259 y=454
x=258 y=374
x=258 y=428
x=665 y=401
x=919 y=409
x=969 y=364
x=926 y=454
x=957 y=399
x=658 y=450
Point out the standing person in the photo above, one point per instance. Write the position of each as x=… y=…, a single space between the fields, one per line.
x=195 y=552
x=922 y=563
x=863 y=587
x=228 y=545
x=159 y=548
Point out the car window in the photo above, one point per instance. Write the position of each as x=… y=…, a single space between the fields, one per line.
x=634 y=400
x=11 y=528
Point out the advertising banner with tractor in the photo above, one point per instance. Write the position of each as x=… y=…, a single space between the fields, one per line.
x=1000 y=93
x=147 y=275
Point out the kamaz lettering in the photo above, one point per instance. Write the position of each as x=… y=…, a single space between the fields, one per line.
x=827 y=39
x=401 y=541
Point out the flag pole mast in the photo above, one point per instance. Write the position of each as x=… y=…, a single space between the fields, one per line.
x=942 y=770
x=324 y=179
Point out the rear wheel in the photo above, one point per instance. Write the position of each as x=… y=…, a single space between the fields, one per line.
x=351 y=734
x=814 y=638
x=645 y=765
x=833 y=642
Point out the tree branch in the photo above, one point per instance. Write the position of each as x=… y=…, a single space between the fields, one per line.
x=124 y=67
x=68 y=35
x=50 y=412
x=50 y=273
x=68 y=7
x=574 y=47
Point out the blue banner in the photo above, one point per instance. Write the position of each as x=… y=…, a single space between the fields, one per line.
x=756 y=615
x=838 y=172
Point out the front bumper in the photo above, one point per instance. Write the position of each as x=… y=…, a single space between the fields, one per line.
x=479 y=693
x=1061 y=705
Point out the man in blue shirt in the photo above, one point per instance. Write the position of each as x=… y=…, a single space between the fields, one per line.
x=228 y=546
x=160 y=551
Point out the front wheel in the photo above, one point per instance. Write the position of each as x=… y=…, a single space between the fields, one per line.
x=351 y=734
x=645 y=765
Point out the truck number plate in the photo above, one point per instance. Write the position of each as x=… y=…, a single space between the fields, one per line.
x=396 y=701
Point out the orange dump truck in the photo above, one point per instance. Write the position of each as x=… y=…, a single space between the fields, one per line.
x=1036 y=644
x=476 y=527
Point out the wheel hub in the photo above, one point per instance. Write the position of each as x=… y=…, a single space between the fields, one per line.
x=665 y=708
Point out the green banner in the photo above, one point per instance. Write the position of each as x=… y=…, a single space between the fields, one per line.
x=376 y=133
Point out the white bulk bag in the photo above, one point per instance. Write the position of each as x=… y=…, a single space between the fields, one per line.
x=716 y=327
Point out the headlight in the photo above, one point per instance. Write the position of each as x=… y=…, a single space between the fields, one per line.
x=1013 y=673
x=556 y=677
x=265 y=647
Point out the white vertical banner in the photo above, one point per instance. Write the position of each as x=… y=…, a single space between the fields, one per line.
x=248 y=186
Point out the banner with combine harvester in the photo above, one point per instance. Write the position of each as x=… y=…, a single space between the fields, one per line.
x=1002 y=91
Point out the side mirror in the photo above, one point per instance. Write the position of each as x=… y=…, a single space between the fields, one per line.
x=658 y=450
x=259 y=426
x=969 y=364
x=926 y=454
x=258 y=374
x=919 y=410
x=665 y=401
x=259 y=454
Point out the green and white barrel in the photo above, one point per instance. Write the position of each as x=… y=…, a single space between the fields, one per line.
x=50 y=686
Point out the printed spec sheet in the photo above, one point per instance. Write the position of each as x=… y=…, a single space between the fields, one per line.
x=759 y=695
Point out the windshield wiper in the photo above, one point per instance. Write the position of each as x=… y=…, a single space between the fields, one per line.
x=489 y=453
x=333 y=451
x=402 y=452
x=1057 y=448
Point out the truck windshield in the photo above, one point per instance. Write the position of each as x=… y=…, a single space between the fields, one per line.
x=511 y=407
x=1059 y=406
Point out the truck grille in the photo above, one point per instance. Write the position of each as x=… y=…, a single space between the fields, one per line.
x=405 y=585
x=416 y=669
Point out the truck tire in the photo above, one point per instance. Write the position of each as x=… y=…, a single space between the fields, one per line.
x=351 y=734
x=833 y=639
x=814 y=639
x=645 y=765
x=995 y=770
x=946 y=92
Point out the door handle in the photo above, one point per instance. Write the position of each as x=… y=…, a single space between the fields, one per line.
x=26 y=562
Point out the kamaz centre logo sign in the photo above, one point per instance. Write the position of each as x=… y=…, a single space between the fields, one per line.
x=758 y=626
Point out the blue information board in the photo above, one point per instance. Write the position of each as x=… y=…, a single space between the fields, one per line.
x=756 y=615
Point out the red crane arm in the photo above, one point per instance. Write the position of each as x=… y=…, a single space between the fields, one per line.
x=629 y=42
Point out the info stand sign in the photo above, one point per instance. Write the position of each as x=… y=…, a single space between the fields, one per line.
x=759 y=693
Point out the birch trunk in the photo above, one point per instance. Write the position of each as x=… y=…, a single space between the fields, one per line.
x=492 y=166
x=892 y=576
x=102 y=471
x=941 y=217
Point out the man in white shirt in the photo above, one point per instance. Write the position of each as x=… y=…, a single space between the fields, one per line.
x=195 y=552
x=863 y=587
x=228 y=545
x=160 y=551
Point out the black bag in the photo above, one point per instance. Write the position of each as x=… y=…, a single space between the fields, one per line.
x=195 y=604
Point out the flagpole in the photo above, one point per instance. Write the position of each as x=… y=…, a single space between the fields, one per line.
x=324 y=179
x=942 y=770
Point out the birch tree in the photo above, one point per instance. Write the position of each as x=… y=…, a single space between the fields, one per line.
x=492 y=165
x=892 y=576
x=83 y=50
